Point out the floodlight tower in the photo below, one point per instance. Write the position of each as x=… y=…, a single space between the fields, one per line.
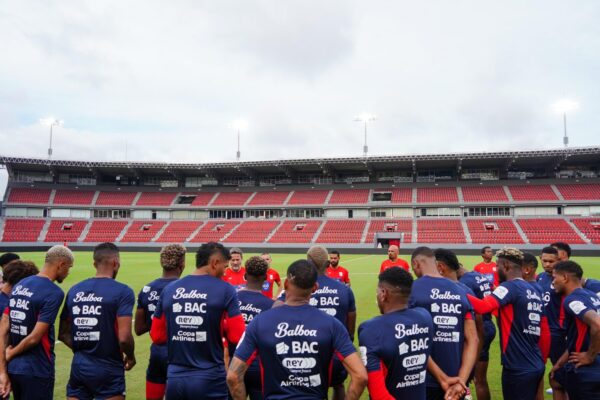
x=51 y=122
x=239 y=125
x=365 y=118
x=562 y=107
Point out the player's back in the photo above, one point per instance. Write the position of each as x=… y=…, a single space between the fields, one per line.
x=194 y=308
x=296 y=345
x=519 y=319
x=401 y=340
x=593 y=285
x=552 y=303
x=447 y=303
x=333 y=298
x=252 y=303
x=489 y=270
x=149 y=296
x=34 y=299
x=479 y=285
x=93 y=306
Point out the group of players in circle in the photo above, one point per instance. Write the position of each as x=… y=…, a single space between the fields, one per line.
x=220 y=333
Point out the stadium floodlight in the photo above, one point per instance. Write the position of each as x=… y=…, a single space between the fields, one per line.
x=365 y=118
x=51 y=122
x=562 y=107
x=239 y=125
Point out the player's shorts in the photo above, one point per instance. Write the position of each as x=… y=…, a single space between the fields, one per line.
x=558 y=346
x=31 y=387
x=192 y=386
x=435 y=393
x=489 y=333
x=338 y=373
x=520 y=385
x=581 y=383
x=157 y=365
x=93 y=381
x=253 y=383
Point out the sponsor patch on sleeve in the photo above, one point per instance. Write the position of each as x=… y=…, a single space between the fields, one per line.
x=501 y=292
x=577 y=306
x=363 y=354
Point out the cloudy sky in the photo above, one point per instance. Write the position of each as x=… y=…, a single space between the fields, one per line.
x=164 y=80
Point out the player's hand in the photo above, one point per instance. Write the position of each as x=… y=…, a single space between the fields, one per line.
x=455 y=392
x=448 y=382
x=9 y=353
x=4 y=385
x=129 y=362
x=555 y=368
x=580 y=359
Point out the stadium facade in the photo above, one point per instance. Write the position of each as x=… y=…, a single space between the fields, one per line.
x=462 y=201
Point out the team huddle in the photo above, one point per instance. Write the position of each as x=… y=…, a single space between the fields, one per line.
x=224 y=332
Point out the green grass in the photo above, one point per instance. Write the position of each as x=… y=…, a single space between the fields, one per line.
x=139 y=268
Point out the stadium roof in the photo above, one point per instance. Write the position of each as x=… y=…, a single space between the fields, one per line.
x=507 y=159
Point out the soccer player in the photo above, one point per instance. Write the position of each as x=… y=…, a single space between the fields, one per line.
x=235 y=274
x=335 y=270
x=580 y=364
x=487 y=267
x=455 y=341
x=530 y=264
x=96 y=324
x=14 y=271
x=191 y=316
x=6 y=258
x=28 y=322
x=272 y=277
x=449 y=267
x=564 y=250
x=524 y=335
x=396 y=345
x=172 y=261
x=252 y=303
x=554 y=313
x=393 y=260
x=296 y=344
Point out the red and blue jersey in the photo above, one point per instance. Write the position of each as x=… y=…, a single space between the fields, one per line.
x=92 y=308
x=332 y=297
x=552 y=304
x=296 y=345
x=447 y=303
x=480 y=285
x=576 y=305
x=520 y=320
x=593 y=285
x=251 y=304
x=149 y=296
x=192 y=311
x=34 y=299
x=395 y=347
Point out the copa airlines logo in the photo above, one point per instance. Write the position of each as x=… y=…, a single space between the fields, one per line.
x=414 y=329
x=180 y=293
x=21 y=291
x=81 y=296
x=283 y=330
x=447 y=295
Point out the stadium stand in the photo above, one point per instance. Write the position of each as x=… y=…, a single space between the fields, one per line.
x=156 y=199
x=440 y=231
x=437 y=195
x=350 y=196
x=580 y=191
x=142 y=231
x=342 y=231
x=483 y=194
x=115 y=198
x=22 y=230
x=389 y=225
x=268 y=198
x=547 y=230
x=252 y=232
x=296 y=231
x=178 y=231
x=214 y=231
x=29 y=196
x=532 y=193
x=590 y=227
x=308 y=197
x=231 y=199
x=65 y=230
x=491 y=231
x=105 y=231
x=74 y=197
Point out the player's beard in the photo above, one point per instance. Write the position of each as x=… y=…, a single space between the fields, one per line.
x=333 y=265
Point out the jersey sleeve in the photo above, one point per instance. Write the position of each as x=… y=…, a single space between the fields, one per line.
x=276 y=278
x=231 y=302
x=575 y=307
x=342 y=345
x=126 y=303
x=141 y=299
x=248 y=345
x=503 y=294
x=352 y=301
x=368 y=341
x=50 y=308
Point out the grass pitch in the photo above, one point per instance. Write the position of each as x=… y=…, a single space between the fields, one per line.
x=137 y=269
